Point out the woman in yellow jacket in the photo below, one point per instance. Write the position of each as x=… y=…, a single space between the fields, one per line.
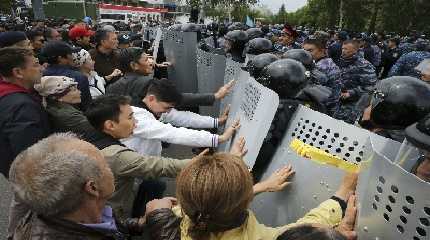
x=214 y=193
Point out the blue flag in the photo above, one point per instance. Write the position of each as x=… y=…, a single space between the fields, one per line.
x=249 y=22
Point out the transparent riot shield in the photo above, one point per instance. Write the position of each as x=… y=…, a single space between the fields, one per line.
x=313 y=183
x=180 y=50
x=393 y=203
x=210 y=75
x=255 y=106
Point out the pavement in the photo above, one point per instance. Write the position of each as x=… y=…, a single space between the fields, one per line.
x=5 y=198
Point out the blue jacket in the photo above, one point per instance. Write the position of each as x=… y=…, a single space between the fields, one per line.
x=69 y=71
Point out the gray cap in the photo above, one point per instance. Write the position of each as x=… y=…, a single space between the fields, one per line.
x=109 y=28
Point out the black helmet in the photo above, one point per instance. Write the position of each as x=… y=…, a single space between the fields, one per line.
x=190 y=27
x=399 y=101
x=285 y=76
x=259 y=45
x=213 y=26
x=259 y=62
x=237 y=36
x=175 y=27
x=302 y=56
x=254 y=33
x=236 y=26
x=419 y=133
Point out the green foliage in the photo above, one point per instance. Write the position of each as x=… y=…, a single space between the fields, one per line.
x=365 y=15
x=5 y=6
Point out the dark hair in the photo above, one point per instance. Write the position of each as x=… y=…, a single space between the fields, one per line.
x=350 y=41
x=100 y=36
x=309 y=232
x=48 y=32
x=11 y=57
x=32 y=34
x=165 y=91
x=127 y=56
x=316 y=42
x=395 y=40
x=105 y=107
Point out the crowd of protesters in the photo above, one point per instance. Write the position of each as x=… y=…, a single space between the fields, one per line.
x=85 y=109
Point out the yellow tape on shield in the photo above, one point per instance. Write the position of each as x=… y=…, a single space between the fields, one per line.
x=321 y=157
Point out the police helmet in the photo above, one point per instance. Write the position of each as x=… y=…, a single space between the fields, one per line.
x=302 y=56
x=258 y=46
x=190 y=27
x=254 y=33
x=285 y=76
x=237 y=36
x=256 y=65
x=399 y=101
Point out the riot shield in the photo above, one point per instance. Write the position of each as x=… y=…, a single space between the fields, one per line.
x=180 y=50
x=313 y=183
x=393 y=203
x=149 y=33
x=255 y=106
x=210 y=75
x=156 y=43
x=232 y=71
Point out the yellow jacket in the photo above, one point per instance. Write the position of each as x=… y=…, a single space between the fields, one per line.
x=327 y=213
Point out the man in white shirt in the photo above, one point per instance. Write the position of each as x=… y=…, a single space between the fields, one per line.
x=156 y=123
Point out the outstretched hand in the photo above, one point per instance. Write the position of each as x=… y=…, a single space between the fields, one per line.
x=228 y=133
x=238 y=148
x=276 y=182
x=346 y=226
x=224 y=116
x=224 y=90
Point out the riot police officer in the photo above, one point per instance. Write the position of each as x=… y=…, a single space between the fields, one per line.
x=396 y=103
x=303 y=56
x=258 y=46
x=235 y=44
x=287 y=77
x=254 y=33
x=256 y=65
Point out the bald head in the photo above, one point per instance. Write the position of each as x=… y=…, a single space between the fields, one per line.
x=50 y=175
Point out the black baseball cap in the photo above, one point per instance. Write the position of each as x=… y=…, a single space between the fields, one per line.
x=58 y=49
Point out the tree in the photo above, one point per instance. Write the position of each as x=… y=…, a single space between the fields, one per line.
x=6 y=5
x=401 y=16
x=282 y=14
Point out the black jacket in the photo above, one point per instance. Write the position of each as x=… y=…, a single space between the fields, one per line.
x=23 y=122
x=135 y=86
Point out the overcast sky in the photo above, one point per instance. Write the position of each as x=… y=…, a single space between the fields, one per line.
x=290 y=5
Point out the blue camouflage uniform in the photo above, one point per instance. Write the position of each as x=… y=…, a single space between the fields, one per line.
x=406 y=64
x=357 y=76
x=332 y=71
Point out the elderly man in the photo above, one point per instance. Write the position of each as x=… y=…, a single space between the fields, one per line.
x=66 y=183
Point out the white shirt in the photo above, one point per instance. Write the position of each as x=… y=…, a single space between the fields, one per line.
x=150 y=132
x=97 y=84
